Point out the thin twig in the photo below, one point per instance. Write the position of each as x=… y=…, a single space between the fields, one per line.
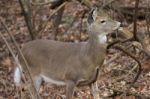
x=26 y=9
x=147 y=18
x=45 y=24
x=12 y=53
x=115 y=56
x=57 y=21
x=119 y=41
x=139 y=69
x=109 y=2
x=135 y=19
x=22 y=56
x=40 y=4
x=86 y=3
x=139 y=64
x=81 y=24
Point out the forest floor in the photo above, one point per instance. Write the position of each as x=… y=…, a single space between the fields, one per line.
x=115 y=76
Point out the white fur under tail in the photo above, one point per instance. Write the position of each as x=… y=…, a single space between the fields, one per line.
x=17 y=76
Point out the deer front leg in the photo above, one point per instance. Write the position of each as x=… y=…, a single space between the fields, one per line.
x=70 y=85
x=95 y=91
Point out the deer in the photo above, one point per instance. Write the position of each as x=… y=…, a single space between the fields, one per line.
x=67 y=63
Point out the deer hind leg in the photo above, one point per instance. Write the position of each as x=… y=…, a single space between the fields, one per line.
x=38 y=81
x=70 y=85
x=95 y=91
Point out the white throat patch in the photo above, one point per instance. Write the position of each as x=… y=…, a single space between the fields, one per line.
x=102 y=38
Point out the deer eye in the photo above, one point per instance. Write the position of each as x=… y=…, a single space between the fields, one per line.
x=102 y=21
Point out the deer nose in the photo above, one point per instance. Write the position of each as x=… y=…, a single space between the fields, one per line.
x=117 y=25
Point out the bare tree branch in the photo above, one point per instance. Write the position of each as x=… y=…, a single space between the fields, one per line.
x=20 y=52
x=26 y=9
x=55 y=11
x=139 y=64
x=57 y=21
x=135 y=19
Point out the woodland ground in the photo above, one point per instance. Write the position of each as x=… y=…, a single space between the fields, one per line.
x=114 y=78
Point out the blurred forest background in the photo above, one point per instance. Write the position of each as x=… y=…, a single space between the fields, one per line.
x=66 y=21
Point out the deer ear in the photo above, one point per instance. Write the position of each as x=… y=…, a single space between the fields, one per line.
x=92 y=15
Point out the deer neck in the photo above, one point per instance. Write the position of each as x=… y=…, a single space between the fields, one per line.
x=96 y=48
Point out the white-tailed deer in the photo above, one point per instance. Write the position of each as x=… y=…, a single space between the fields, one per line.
x=70 y=64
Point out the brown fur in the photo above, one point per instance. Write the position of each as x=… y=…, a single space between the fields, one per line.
x=74 y=63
